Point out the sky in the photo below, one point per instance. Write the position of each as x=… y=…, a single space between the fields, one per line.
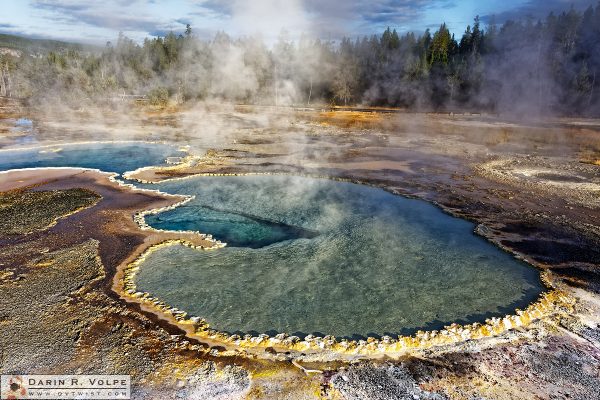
x=100 y=21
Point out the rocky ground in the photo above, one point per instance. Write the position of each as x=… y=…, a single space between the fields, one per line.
x=531 y=187
x=23 y=212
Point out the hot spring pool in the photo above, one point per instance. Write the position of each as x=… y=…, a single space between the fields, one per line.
x=105 y=156
x=325 y=257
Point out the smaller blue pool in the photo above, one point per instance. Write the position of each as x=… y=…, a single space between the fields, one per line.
x=116 y=157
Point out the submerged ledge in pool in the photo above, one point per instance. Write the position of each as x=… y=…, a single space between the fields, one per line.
x=380 y=265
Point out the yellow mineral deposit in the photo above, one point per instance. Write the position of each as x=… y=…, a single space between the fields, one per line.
x=548 y=304
x=181 y=164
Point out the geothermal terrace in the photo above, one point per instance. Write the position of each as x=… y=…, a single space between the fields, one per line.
x=297 y=261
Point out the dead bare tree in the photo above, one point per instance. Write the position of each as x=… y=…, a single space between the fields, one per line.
x=5 y=81
x=8 y=83
x=592 y=91
x=2 y=84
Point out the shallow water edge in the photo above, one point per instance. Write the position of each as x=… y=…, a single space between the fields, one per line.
x=548 y=304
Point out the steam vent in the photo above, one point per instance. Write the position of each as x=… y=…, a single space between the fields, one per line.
x=322 y=257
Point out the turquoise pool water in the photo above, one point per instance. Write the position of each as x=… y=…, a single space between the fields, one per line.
x=326 y=257
x=109 y=157
x=310 y=255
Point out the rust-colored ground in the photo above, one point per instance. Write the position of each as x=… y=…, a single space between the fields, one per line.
x=63 y=276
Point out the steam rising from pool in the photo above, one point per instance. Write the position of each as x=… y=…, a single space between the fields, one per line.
x=309 y=255
x=116 y=157
x=325 y=257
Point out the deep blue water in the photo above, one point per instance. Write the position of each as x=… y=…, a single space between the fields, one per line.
x=236 y=228
x=372 y=263
x=310 y=255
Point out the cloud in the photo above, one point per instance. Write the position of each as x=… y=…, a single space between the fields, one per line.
x=112 y=15
x=219 y=7
x=387 y=11
x=322 y=17
x=326 y=19
x=60 y=6
x=537 y=9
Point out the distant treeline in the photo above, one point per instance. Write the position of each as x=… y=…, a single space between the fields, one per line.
x=524 y=67
x=36 y=46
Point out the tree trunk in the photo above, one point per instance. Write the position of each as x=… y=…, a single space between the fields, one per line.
x=276 y=90
x=2 y=85
x=309 y=93
x=8 y=82
x=592 y=90
x=539 y=78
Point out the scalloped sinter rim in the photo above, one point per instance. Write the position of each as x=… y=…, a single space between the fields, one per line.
x=548 y=304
